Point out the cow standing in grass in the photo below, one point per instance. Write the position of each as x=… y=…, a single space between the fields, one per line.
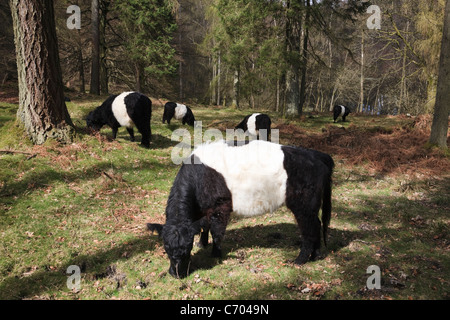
x=127 y=109
x=340 y=111
x=249 y=180
x=179 y=112
x=254 y=123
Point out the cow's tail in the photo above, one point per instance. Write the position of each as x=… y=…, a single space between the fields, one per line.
x=326 y=200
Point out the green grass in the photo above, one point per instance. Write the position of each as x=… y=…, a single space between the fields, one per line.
x=87 y=204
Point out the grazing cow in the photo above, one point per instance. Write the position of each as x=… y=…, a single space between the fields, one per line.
x=127 y=109
x=249 y=180
x=341 y=111
x=179 y=112
x=253 y=123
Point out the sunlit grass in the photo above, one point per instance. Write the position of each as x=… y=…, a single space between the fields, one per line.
x=87 y=204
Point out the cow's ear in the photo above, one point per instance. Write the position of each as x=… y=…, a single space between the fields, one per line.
x=155 y=228
x=199 y=225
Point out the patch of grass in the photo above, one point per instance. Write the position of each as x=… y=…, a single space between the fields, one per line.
x=87 y=203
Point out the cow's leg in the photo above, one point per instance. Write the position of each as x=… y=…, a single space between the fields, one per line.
x=218 y=221
x=131 y=133
x=335 y=115
x=306 y=209
x=164 y=116
x=144 y=128
x=114 y=132
x=310 y=230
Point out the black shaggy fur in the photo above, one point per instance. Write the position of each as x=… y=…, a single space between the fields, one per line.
x=169 y=113
x=139 y=109
x=262 y=121
x=338 y=110
x=200 y=201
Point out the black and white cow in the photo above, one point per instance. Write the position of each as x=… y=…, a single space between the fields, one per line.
x=127 y=109
x=255 y=122
x=179 y=112
x=249 y=180
x=340 y=111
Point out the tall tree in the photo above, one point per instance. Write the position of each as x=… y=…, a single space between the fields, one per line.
x=439 y=128
x=293 y=36
x=103 y=21
x=147 y=28
x=42 y=109
x=304 y=66
x=95 y=69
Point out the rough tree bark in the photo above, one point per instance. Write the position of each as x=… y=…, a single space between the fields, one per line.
x=95 y=70
x=439 y=128
x=304 y=60
x=42 y=109
x=103 y=21
x=292 y=89
x=236 y=80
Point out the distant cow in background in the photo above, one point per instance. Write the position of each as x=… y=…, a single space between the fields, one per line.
x=127 y=109
x=179 y=112
x=341 y=111
x=255 y=122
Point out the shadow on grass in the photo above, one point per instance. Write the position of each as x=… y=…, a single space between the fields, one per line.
x=284 y=236
x=92 y=266
x=157 y=141
x=37 y=179
x=407 y=247
x=407 y=238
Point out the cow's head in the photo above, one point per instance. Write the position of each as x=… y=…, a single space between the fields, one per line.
x=94 y=120
x=178 y=238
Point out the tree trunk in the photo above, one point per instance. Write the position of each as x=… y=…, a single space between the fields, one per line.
x=212 y=85
x=304 y=60
x=403 y=87
x=218 y=80
x=361 y=92
x=95 y=70
x=277 y=95
x=292 y=94
x=439 y=128
x=235 y=103
x=138 y=79
x=42 y=109
x=81 y=64
x=103 y=48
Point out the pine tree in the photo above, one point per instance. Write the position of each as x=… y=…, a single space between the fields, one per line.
x=147 y=27
x=42 y=109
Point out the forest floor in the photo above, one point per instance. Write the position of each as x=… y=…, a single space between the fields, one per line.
x=87 y=204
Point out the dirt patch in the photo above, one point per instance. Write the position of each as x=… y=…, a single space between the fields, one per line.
x=383 y=150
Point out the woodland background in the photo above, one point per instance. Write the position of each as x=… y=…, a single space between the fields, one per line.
x=235 y=52
x=79 y=199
